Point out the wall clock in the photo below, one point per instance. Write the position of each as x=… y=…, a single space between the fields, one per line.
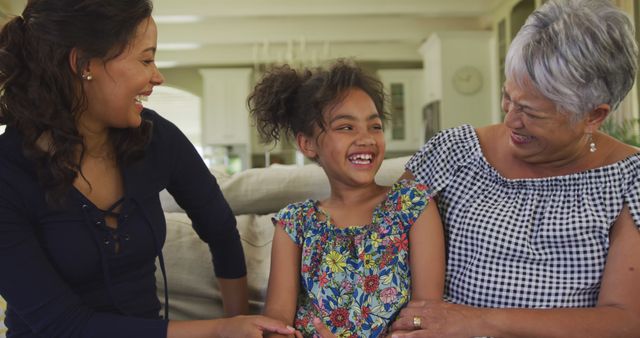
x=467 y=80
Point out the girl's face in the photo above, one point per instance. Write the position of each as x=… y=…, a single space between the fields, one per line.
x=117 y=86
x=351 y=149
x=539 y=134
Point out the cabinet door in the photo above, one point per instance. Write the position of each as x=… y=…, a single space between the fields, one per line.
x=405 y=87
x=225 y=116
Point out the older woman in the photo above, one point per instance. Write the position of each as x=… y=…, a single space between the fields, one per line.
x=542 y=212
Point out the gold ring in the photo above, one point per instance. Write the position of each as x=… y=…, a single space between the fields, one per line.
x=417 y=323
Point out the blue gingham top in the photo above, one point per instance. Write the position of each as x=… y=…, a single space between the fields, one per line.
x=530 y=243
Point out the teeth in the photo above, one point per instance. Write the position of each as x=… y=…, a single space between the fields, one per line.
x=141 y=98
x=361 y=158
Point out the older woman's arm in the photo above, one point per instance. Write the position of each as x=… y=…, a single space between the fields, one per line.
x=617 y=313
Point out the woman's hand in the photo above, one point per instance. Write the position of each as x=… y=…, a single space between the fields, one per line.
x=434 y=319
x=252 y=327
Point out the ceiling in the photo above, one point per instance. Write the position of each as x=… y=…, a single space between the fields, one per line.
x=240 y=32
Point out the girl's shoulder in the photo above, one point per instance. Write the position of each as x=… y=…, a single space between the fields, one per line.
x=296 y=210
x=407 y=195
x=409 y=187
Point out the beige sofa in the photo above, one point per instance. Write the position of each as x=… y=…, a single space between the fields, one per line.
x=255 y=195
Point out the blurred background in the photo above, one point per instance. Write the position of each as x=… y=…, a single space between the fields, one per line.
x=441 y=61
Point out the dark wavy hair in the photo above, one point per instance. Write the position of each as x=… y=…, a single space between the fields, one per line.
x=40 y=92
x=288 y=101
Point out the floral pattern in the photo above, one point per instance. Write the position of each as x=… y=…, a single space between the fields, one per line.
x=356 y=279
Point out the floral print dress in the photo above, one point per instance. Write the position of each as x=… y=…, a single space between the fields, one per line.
x=356 y=278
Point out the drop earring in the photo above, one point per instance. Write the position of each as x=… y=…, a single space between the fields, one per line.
x=87 y=76
x=592 y=143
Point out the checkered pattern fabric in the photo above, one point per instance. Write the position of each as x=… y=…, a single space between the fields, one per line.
x=529 y=243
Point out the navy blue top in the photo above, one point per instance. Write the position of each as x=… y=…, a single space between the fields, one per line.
x=61 y=273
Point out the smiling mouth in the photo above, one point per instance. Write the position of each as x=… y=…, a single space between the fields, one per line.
x=361 y=158
x=517 y=138
x=141 y=98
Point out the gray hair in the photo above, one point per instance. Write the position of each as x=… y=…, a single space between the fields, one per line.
x=577 y=53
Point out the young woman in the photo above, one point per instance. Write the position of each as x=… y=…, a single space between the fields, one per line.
x=81 y=166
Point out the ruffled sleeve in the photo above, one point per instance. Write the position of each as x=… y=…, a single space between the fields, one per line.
x=291 y=219
x=632 y=194
x=410 y=199
x=437 y=162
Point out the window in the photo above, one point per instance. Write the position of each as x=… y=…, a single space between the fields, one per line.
x=397 y=111
x=519 y=15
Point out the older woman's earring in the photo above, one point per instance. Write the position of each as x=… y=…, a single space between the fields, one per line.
x=592 y=143
x=87 y=76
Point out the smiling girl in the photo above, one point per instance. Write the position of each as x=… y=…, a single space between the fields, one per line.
x=347 y=259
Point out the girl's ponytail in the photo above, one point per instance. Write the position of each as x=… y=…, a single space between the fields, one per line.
x=288 y=101
x=273 y=103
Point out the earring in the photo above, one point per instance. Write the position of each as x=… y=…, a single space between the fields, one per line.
x=592 y=143
x=87 y=76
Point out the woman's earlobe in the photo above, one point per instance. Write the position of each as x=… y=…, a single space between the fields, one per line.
x=85 y=73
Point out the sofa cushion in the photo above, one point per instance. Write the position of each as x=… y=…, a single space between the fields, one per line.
x=261 y=191
x=194 y=292
x=267 y=190
x=170 y=205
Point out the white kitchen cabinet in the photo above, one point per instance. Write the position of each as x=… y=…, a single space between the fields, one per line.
x=225 y=117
